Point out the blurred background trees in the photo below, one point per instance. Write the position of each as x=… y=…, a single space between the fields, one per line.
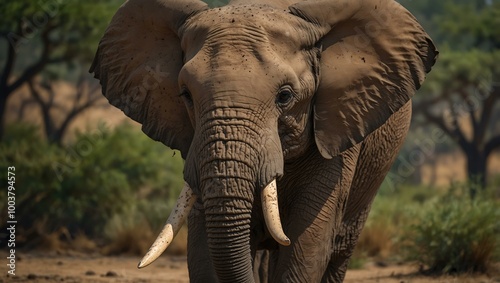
x=46 y=41
x=461 y=96
x=113 y=184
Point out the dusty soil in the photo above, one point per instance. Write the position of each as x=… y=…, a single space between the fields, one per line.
x=84 y=268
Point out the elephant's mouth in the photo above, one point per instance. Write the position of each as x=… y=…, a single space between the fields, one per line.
x=187 y=198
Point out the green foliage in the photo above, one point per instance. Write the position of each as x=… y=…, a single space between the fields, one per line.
x=22 y=132
x=389 y=212
x=458 y=70
x=358 y=260
x=468 y=38
x=379 y=236
x=461 y=24
x=476 y=27
x=67 y=31
x=80 y=187
x=443 y=230
x=454 y=233
x=467 y=35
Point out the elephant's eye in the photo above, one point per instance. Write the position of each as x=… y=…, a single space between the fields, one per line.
x=186 y=95
x=284 y=97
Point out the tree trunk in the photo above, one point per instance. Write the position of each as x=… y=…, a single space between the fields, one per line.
x=476 y=171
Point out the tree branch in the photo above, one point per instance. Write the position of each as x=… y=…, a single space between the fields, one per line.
x=425 y=104
x=45 y=107
x=78 y=108
x=9 y=66
x=25 y=103
x=453 y=132
x=35 y=93
x=37 y=67
x=491 y=145
x=457 y=131
x=484 y=120
x=91 y=101
x=470 y=109
x=80 y=89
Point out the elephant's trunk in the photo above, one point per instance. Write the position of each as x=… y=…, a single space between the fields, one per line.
x=237 y=159
x=227 y=189
x=228 y=228
x=228 y=237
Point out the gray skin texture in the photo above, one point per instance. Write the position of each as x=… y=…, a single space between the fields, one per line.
x=315 y=94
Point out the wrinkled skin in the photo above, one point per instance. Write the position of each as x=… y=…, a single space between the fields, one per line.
x=313 y=94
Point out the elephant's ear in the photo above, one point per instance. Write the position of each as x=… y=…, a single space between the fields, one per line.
x=375 y=56
x=138 y=61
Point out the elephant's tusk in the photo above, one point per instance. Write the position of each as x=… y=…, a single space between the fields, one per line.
x=172 y=226
x=270 y=208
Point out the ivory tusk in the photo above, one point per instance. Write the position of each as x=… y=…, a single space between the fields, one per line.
x=172 y=226
x=271 y=212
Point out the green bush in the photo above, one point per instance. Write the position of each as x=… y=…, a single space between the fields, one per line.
x=80 y=187
x=389 y=212
x=454 y=234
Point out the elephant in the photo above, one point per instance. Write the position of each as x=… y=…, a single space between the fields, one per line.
x=288 y=114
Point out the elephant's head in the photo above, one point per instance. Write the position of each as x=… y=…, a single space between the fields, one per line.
x=241 y=89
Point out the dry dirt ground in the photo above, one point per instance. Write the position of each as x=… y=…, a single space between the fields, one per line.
x=84 y=268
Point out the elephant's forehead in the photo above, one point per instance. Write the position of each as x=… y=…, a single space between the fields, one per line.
x=254 y=25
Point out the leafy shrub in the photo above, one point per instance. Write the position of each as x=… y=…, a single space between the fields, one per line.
x=35 y=183
x=380 y=237
x=454 y=234
x=358 y=259
x=80 y=187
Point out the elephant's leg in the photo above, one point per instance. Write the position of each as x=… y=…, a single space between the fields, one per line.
x=358 y=208
x=313 y=208
x=261 y=266
x=199 y=264
x=265 y=263
x=345 y=243
x=377 y=154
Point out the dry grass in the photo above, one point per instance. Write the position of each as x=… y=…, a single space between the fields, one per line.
x=82 y=243
x=133 y=240
x=179 y=244
x=376 y=241
x=61 y=241
x=137 y=240
x=130 y=240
